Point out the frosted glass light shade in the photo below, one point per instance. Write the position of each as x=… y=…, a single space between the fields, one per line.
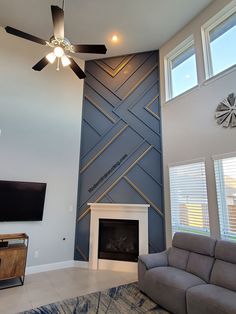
x=59 y=52
x=51 y=57
x=65 y=61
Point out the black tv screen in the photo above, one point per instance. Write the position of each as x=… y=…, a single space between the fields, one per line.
x=21 y=201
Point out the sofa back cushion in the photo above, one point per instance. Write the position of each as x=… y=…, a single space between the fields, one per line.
x=224 y=275
x=224 y=269
x=178 y=258
x=226 y=251
x=200 y=265
x=194 y=243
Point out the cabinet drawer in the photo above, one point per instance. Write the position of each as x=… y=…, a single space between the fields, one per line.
x=12 y=263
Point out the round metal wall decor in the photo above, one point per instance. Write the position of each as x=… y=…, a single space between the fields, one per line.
x=226 y=112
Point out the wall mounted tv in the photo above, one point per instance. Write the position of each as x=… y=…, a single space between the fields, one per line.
x=21 y=201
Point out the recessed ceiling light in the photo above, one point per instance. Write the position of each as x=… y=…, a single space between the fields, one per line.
x=114 y=38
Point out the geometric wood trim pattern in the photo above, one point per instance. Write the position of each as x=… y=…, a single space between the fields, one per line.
x=113 y=71
x=121 y=150
x=103 y=149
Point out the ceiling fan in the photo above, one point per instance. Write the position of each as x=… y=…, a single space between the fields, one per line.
x=61 y=45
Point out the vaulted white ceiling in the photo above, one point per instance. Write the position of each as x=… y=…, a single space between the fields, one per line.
x=141 y=25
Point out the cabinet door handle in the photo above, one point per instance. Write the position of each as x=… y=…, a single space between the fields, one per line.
x=0 y=262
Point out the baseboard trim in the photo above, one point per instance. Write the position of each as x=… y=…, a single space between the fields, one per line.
x=54 y=266
x=81 y=264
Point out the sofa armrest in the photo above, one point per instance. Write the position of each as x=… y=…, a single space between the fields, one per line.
x=154 y=259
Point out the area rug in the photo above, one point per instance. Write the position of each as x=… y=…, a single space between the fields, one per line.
x=118 y=300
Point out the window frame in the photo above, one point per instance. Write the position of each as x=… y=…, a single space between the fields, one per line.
x=168 y=59
x=191 y=229
x=206 y=28
x=223 y=213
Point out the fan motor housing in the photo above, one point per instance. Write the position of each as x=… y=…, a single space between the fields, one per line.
x=60 y=42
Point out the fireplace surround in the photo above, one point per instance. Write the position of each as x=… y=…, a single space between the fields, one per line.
x=120 y=212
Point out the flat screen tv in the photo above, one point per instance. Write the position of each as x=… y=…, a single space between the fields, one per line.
x=21 y=201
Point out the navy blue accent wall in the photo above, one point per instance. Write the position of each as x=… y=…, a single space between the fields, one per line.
x=121 y=157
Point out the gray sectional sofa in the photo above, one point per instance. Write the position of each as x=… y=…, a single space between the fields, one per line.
x=197 y=275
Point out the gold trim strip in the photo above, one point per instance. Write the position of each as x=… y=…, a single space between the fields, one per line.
x=149 y=110
x=87 y=210
x=152 y=101
x=115 y=182
x=113 y=68
x=143 y=195
x=118 y=69
x=81 y=253
x=100 y=109
x=152 y=113
x=150 y=175
x=104 y=65
x=139 y=82
x=127 y=170
x=104 y=148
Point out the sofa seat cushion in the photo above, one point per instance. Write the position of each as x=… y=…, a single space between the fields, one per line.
x=211 y=299
x=167 y=286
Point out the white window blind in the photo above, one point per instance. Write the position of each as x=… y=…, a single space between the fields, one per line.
x=189 y=203
x=225 y=172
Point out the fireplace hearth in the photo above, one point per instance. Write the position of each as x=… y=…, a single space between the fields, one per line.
x=118 y=239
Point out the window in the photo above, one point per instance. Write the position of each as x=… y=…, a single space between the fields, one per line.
x=219 y=37
x=181 y=71
x=225 y=172
x=188 y=194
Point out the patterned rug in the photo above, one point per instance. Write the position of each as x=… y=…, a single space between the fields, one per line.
x=125 y=299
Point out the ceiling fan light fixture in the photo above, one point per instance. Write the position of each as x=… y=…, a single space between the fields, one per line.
x=59 y=52
x=51 y=57
x=65 y=61
x=60 y=44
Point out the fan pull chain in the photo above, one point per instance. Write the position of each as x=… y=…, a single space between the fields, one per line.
x=58 y=64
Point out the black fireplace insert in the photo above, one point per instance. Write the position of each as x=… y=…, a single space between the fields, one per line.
x=118 y=239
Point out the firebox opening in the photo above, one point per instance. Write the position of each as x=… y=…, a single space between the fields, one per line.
x=118 y=239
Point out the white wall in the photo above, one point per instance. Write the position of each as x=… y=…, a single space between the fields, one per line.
x=189 y=127
x=40 y=120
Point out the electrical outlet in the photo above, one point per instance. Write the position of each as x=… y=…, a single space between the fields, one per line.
x=36 y=254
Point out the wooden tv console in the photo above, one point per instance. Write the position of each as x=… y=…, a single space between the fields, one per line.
x=13 y=255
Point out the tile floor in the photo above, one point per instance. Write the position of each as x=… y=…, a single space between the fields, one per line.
x=47 y=287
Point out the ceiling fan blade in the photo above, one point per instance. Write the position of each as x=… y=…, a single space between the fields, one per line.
x=24 y=35
x=77 y=70
x=101 y=49
x=58 y=21
x=41 y=64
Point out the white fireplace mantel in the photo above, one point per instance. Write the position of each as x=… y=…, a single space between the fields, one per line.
x=116 y=211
